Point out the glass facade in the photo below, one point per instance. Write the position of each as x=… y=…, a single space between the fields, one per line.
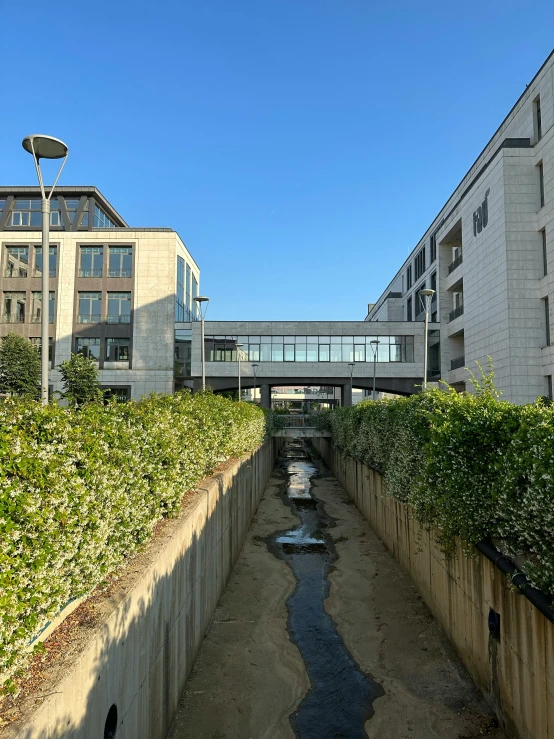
x=36 y=307
x=101 y=219
x=183 y=338
x=310 y=348
x=119 y=307
x=90 y=308
x=29 y=213
x=17 y=262
x=15 y=307
x=88 y=346
x=180 y=293
x=36 y=341
x=117 y=350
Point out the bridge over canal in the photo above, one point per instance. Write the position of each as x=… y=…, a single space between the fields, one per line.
x=281 y=353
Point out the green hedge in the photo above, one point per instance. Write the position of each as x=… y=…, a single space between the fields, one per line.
x=469 y=465
x=80 y=491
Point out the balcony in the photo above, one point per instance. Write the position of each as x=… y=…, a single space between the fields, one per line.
x=456 y=263
x=90 y=273
x=13 y=318
x=36 y=318
x=119 y=318
x=455 y=313
x=457 y=363
x=88 y=318
x=119 y=273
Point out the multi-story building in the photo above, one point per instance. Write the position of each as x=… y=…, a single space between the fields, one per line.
x=116 y=292
x=489 y=254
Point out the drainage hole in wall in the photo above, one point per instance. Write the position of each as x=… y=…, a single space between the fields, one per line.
x=111 y=723
x=494 y=624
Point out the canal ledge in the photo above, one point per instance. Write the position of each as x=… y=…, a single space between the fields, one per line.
x=128 y=669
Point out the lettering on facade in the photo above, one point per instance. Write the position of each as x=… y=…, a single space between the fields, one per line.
x=481 y=215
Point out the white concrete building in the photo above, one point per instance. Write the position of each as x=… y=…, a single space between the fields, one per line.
x=489 y=254
x=115 y=291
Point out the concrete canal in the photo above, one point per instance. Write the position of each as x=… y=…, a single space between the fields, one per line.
x=320 y=635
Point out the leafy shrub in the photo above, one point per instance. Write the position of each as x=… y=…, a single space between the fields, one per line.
x=19 y=366
x=80 y=491
x=470 y=465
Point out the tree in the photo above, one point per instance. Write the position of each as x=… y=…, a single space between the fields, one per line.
x=80 y=380
x=19 y=366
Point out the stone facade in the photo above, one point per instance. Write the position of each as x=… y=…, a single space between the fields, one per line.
x=484 y=255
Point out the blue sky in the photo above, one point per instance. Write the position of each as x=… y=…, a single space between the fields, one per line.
x=299 y=147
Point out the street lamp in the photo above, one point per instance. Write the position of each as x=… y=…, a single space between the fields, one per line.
x=202 y=309
x=426 y=296
x=351 y=365
x=374 y=344
x=45 y=147
x=254 y=367
x=239 y=347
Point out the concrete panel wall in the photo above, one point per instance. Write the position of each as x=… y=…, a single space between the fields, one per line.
x=141 y=652
x=515 y=673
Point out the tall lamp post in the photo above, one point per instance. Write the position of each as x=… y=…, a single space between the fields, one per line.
x=351 y=365
x=202 y=303
x=239 y=347
x=255 y=368
x=426 y=296
x=374 y=344
x=45 y=147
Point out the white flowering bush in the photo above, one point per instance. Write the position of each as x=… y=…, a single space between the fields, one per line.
x=469 y=465
x=81 y=490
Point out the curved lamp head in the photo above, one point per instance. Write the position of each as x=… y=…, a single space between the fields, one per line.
x=199 y=300
x=45 y=147
x=374 y=341
x=427 y=292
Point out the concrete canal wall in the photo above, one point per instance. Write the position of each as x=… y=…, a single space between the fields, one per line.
x=516 y=671
x=128 y=670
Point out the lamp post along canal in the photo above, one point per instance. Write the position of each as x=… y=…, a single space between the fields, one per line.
x=239 y=347
x=202 y=303
x=255 y=368
x=45 y=147
x=426 y=296
x=351 y=365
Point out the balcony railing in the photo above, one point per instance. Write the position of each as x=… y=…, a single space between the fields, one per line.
x=457 y=363
x=455 y=313
x=121 y=318
x=90 y=273
x=456 y=263
x=37 y=318
x=16 y=272
x=13 y=318
x=89 y=318
x=38 y=273
x=119 y=273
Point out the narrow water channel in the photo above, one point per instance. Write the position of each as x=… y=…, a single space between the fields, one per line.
x=340 y=699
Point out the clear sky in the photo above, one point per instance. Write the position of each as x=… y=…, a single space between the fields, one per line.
x=299 y=147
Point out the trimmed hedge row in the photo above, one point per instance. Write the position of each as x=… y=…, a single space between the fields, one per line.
x=80 y=491
x=469 y=465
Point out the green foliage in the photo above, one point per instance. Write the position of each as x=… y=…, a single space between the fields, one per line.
x=469 y=465
x=19 y=367
x=79 y=492
x=80 y=380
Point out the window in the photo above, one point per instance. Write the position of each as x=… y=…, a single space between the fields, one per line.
x=194 y=295
x=409 y=277
x=37 y=343
x=88 y=346
x=288 y=352
x=90 y=308
x=433 y=247
x=544 y=253
x=52 y=261
x=71 y=205
x=183 y=339
x=29 y=213
x=101 y=220
x=121 y=261
x=119 y=307
x=117 y=350
x=434 y=284
x=541 y=184
x=14 y=307
x=180 y=294
x=17 y=261
x=549 y=386
x=409 y=309
x=120 y=394
x=324 y=353
x=419 y=264
x=537 y=119
x=36 y=307
x=187 y=294
x=92 y=258
x=547 y=320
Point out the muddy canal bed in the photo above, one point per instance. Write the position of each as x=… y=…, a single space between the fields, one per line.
x=320 y=635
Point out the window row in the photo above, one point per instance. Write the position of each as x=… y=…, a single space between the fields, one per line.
x=310 y=348
x=18 y=261
x=19 y=307
x=90 y=307
x=28 y=212
x=115 y=350
x=185 y=307
x=120 y=261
